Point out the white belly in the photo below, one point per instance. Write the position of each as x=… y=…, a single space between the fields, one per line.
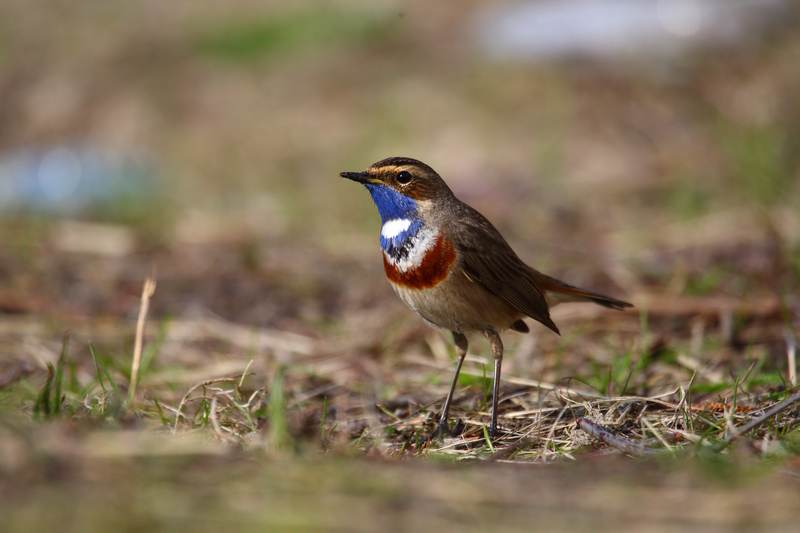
x=459 y=304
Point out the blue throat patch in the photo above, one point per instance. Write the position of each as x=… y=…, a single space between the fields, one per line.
x=393 y=205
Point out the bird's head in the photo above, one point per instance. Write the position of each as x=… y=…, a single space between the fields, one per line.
x=401 y=187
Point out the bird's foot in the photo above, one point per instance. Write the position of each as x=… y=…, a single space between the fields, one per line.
x=443 y=430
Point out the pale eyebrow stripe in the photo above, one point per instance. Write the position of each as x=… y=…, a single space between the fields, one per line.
x=383 y=170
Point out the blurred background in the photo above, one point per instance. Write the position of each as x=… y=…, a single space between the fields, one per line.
x=611 y=141
x=614 y=135
x=646 y=149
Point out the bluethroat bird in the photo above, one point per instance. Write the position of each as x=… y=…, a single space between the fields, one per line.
x=448 y=263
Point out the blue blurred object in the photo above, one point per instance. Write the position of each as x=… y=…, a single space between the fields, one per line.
x=620 y=29
x=69 y=180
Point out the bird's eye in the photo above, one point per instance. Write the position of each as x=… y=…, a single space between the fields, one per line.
x=404 y=177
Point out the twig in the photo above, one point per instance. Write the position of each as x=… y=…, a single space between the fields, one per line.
x=619 y=442
x=737 y=432
x=460 y=441
x=657 y=433
x=244 y=373
x=541 y=410
x=148 y=290
x=791 y=357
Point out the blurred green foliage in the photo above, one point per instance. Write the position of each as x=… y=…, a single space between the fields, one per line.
x=243 y=40
x=689 y=198
x=279 y=436
x=706 y=282
x=760 y=168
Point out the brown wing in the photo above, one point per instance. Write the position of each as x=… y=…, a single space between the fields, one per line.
x=489 y=260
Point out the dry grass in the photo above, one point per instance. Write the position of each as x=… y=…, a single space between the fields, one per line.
x=321 y=391
x=250 y=424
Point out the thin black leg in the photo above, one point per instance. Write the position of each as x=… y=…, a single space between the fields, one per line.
x=461 y=345
x=497 y=352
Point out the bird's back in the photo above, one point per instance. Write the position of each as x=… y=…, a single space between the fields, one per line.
x=491 y=265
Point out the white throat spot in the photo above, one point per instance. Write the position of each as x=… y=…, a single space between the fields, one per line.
x=393 y=228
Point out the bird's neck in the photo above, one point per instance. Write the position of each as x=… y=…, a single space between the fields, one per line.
x=391 y=204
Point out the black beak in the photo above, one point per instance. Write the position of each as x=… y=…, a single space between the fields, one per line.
x=360 y=177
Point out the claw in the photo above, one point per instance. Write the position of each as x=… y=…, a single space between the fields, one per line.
x=443 y=430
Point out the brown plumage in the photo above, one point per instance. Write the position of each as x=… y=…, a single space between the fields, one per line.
x=490 y=261
x=450 y=264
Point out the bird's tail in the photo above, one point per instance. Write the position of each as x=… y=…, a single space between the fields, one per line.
x=551 y=284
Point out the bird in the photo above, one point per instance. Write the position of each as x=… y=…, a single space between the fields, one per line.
x=450 y=265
